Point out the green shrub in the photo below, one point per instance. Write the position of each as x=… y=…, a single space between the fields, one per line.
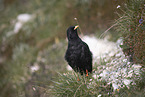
x=131 y=26
x=67 y=85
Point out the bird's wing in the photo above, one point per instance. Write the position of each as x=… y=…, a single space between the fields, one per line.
x=85 y=52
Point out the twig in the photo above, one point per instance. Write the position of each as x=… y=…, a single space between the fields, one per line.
x=107 y=30
x=79 y=26
x=77 y=90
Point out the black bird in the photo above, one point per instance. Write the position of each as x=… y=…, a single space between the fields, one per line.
x=78 y=54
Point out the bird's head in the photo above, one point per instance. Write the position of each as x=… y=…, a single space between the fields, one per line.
x=72 y=33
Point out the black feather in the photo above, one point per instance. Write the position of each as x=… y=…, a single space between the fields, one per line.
x=78 y=54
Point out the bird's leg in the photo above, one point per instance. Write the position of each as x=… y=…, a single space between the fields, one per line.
x=87 y=73
x=78 y=78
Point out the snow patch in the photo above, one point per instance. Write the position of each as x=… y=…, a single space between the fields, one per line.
x=99 y=46
x=34 y=68
x=24 y=17
x=21 y=19
x=126 y=81
x=69 y=68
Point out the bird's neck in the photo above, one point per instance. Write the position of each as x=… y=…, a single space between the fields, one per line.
x=75 y=41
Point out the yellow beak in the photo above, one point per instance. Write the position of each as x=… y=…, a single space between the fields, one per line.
x=76 y=27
